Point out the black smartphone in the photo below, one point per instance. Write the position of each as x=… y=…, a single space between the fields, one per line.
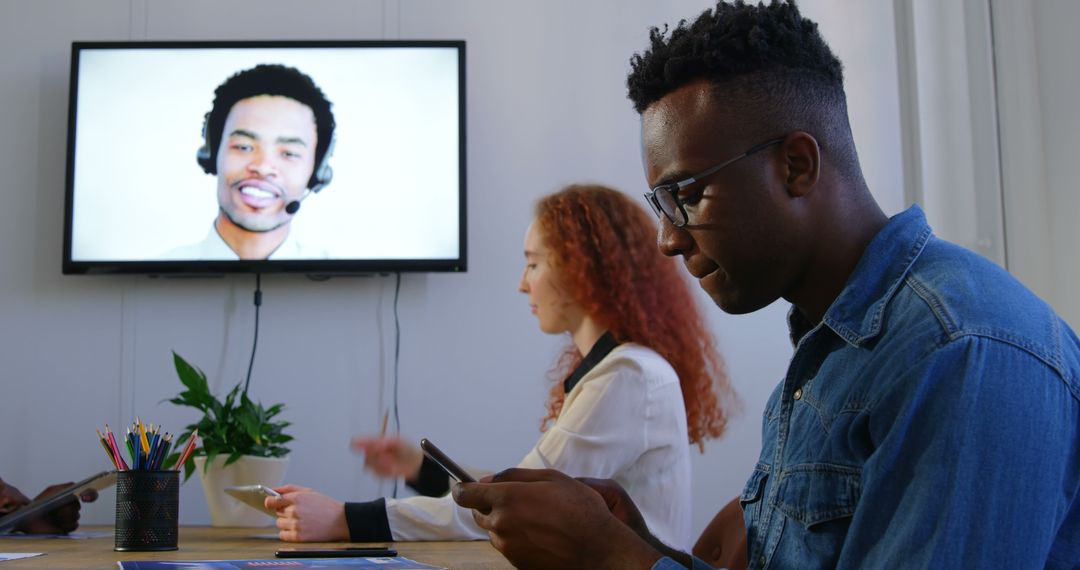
x=453 y=469
x=343 y=552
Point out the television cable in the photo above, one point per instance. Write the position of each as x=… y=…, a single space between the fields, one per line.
x=255 y=344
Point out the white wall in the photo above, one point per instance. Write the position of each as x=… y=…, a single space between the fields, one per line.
x=1037 y=81
x=546 y=107
x=950 y=120
x=989 y=113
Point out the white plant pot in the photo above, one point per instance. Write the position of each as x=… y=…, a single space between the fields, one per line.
x=248 y=470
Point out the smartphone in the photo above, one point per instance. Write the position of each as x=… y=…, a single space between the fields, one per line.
x=254 y=496
x=344 y=552
x=453 y=469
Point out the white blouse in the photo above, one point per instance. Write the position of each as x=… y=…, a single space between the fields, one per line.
x=624 y=420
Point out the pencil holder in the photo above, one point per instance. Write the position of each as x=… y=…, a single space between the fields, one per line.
x=147 y=510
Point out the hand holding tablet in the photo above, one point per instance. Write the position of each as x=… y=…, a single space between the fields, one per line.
x=45 y=504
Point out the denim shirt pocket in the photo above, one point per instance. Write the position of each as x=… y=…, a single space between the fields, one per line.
x=750 y=499
x=816 y=493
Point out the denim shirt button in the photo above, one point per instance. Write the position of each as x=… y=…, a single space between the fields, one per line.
x=798 y=394
x=761 y=561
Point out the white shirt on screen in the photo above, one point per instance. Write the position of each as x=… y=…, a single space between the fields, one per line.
x=213 y=248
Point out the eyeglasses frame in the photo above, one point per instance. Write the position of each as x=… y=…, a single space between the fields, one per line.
x=674 y=187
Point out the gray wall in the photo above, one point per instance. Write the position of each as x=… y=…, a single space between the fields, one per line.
x=546 y=107
x=1037 y=82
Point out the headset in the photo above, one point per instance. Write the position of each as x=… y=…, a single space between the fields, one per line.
x=320 y=178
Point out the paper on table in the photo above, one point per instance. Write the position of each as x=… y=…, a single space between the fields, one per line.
x=17 y=555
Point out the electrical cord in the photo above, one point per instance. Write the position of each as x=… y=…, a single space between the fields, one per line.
x=397 y=357
x=397 y=350
x=258 y=303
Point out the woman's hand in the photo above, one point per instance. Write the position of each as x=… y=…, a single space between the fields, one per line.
x=306 y=516
x=390 y=456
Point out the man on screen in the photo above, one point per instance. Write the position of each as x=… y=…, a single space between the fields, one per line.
x=267 y=138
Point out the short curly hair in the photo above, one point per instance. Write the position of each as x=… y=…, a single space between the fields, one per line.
x=768 y=61
x=269 y=79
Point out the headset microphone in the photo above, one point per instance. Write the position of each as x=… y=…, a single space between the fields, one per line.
x=292 y=207
x=322 y=176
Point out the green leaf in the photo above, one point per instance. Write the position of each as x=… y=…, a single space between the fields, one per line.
x=210 y=456
x=194 y=379
x=236 y=427
x=189 y=468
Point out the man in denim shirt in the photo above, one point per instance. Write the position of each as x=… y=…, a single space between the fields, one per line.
x=930 y=413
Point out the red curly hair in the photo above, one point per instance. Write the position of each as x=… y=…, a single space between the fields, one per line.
x=603 y=249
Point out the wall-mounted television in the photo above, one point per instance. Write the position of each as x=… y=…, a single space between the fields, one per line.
x=322 y=157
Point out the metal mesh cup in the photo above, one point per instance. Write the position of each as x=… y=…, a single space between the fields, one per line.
x=147 y=509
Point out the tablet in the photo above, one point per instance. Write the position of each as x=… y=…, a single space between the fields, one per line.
x=36 y=507
x=254 y=496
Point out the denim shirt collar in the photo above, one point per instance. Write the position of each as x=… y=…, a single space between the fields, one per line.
x=857 y=313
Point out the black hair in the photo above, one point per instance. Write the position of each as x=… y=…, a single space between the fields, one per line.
x=768 y=61
x=270 y=79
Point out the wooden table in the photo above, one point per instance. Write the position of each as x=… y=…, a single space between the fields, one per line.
x=207 y=543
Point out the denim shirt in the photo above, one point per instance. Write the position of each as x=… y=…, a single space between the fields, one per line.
x=930 y=420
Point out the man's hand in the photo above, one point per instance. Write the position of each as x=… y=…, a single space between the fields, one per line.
x=11 y=499
x=306 y=516
x=623 y=508
x=545 y=519
x=619 y=504
x=62 y=519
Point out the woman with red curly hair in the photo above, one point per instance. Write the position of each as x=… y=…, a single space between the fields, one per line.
x=640 y=380
x=602 y=246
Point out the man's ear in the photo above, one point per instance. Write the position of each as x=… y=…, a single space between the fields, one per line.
x=802 y=162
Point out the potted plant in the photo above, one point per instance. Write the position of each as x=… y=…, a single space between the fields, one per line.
x=239 y=443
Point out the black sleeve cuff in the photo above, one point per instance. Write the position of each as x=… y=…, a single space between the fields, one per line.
x=432 y=480
x=367 y=521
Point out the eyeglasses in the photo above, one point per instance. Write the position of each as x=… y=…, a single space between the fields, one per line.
x=665 y=200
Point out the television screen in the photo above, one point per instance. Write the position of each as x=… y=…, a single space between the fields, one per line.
x=317 y=157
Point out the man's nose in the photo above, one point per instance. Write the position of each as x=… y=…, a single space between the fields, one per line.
x=261 y=164
x=671 y=240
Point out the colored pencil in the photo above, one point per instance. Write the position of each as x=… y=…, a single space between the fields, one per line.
x=115 y=448
x=189 y=449
x=108 y=451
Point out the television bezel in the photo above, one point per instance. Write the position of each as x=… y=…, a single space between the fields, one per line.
x=314 y=266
